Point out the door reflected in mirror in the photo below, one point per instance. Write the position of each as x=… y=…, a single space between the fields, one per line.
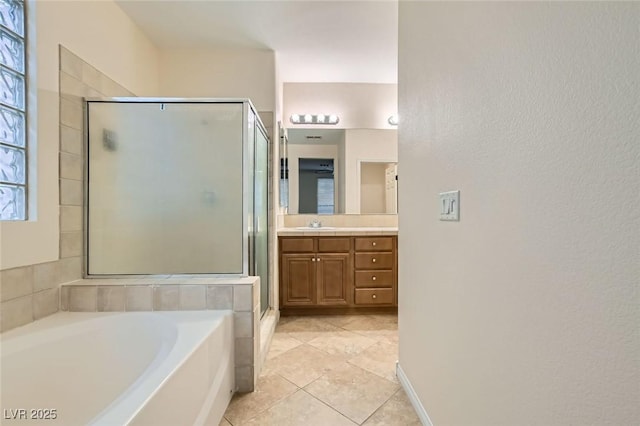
x=316 y=190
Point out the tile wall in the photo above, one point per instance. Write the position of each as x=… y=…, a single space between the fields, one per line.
x=31 y=292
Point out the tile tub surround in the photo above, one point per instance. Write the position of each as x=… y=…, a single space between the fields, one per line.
x=180 y=293
x=31 y=292
x=322 y=370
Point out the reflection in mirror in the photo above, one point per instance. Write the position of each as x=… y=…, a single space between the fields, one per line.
x=356 y=168
x=284 y=168
x=378 y=187
x=316 y=188
x=307 y=144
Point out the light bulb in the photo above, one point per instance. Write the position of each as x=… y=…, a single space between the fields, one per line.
x=333 y=119
x=295 y=118
x=320 y=118
x=308 y=118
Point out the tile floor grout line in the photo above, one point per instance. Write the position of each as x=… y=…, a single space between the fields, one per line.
x=278 y=374
x=349 y=355
x=381 y=405
x=269 y=407
x=274 y=403
x=319 y=326
x=333 y=408
x=288 y=334
x=370 y=372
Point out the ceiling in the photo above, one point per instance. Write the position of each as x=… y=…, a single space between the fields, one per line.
x=314 y=41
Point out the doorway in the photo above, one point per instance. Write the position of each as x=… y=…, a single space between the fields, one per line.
x=316 y=189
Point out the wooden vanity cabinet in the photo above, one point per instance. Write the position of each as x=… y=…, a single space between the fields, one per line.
x=338 y=272
x=315 y=271
x=375 y=271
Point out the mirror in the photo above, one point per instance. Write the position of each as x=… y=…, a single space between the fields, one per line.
x=284 y=167
x=341 y=171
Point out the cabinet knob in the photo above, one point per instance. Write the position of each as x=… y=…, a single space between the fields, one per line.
x=313 y=259
x=374 y=260
x=373 y=296
x=373 y=243
x=374 y=278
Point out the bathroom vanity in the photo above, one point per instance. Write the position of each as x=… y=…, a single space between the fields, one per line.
x=343 y=271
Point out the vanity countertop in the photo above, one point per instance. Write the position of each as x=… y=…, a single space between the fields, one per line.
x=341 y=231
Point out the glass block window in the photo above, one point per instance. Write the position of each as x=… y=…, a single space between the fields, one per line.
x=13 y=123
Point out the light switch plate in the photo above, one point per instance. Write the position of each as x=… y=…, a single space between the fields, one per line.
x=450 y=205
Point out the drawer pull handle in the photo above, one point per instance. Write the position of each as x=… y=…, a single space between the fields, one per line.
x=374 y=278
x=373 y=296
x=373 y=243
x=374 y=260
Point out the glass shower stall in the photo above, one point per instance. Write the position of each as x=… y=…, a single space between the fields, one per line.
x=176 y=186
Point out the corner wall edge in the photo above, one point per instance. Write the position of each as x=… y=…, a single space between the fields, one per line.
x=413 y=396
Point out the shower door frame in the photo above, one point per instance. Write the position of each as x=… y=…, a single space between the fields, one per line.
x=247 y=187
x=260 y=128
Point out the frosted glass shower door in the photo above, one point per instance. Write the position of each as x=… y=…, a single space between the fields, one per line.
x=165 y=188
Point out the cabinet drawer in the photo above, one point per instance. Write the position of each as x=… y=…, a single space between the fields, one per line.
x=296 y=245
x=374 y=260
x=374 y=296
x=374 y=243
x=374 y=279
x=334 y=245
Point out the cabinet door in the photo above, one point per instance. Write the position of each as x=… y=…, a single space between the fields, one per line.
x=334 y=274
x=298 y=280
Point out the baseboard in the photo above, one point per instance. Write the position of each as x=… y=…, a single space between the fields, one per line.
x=413 y=397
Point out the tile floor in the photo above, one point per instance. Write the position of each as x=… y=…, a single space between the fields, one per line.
x=328 y=371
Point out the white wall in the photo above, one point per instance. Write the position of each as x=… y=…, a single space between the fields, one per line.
x=527 y=310
x=365 y=145
x=248 y=73
x=359 y=105
x=101 y=34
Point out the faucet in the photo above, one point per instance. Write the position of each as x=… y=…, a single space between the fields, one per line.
x=315 y=223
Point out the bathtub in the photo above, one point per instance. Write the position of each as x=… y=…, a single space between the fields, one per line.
x=133 y=368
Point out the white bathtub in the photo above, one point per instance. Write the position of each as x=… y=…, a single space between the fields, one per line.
x=134 y=368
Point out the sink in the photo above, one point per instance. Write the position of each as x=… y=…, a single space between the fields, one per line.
x=311 y=228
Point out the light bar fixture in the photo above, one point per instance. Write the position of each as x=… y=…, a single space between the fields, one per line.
x=393 y=120
x=314 y=119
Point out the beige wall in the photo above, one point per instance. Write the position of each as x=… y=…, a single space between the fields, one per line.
x=359 y=105
x=525 y=311
x=372 y=188
x=104 y=36
x=365 y=145
x=249 y=73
